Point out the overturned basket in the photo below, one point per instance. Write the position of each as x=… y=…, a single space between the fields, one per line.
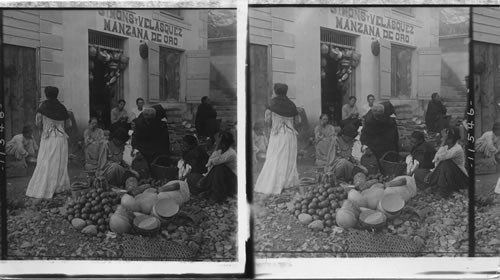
x=395 y=167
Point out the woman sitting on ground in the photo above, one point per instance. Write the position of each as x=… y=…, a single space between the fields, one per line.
x=111 y=164
x=324 y=133
x=260 y=142
x=21 y=150
x=221 y=181
x=450 y=174
x=93 y=137
x=340 y=160
x=194 y=160
x=488 y=145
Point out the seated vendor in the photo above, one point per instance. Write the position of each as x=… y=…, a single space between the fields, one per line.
x=350 y=113
x=422 y=153
x=194 y=160
x=488 y=145
x=21 y=150
x=260 y=142
x=111 y=164
x=93 y=137
x=340 y=160
x=450 y=174
x=324 y=133
x=221 y=181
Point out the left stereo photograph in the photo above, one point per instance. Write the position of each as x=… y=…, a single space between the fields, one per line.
x=120 y=131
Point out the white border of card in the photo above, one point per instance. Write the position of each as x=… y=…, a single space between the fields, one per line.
x=75 y=268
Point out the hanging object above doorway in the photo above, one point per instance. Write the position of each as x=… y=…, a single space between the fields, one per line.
x=143 y=50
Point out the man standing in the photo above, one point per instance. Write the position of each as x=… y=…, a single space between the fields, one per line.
x=367 y=107
x=140 y=108
x=350 y=114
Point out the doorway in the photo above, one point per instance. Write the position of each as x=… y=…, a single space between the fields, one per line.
x=20 y=88
x=259 y=81
x=337 y=73
x=105 y=82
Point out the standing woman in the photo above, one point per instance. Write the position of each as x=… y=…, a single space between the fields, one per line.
x=51 y=172
x=280 y=168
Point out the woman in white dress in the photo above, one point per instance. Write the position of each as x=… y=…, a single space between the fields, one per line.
x=51 y=172
x=280 y=168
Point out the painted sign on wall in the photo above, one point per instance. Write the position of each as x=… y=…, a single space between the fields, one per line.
x=359 y=21
x=130 y=24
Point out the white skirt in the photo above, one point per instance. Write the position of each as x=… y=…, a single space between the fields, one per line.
x=280 y=168
x=51 y=172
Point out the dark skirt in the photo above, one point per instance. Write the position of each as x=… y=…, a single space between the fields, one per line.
x=193 y=180
x=220 y=182
x=447 y=178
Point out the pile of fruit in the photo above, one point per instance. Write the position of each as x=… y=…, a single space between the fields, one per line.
x=93 y=209
x=329 y=204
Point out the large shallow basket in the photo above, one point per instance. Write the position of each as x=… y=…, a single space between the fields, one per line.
x=395 y=168
x=163 y=167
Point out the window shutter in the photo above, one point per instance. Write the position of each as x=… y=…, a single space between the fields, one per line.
x=197 y=75
x=154 y=72
x=385 y=69
x=429 y=72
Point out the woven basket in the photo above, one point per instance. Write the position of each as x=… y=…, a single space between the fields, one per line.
x=78 y=188
x=155 y=248
x=163 y=167
x=371 y=244
x=388 y=168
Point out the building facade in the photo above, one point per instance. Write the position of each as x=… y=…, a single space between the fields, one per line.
x=486 y=67
x=397 y=52
x=96 y=57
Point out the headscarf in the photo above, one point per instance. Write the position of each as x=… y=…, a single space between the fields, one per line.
x=51 y=107
x=160 y=112
x=349 y=130
x=281 y=104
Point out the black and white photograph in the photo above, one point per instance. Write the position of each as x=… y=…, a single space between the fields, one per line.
x=358 y=134
x=120 y=131
x=486 y=65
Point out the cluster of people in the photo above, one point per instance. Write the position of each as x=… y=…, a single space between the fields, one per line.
x=374 y=129
x=213 y=175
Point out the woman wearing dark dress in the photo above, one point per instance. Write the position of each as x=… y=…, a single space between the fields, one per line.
x=197 y=158
x=435 y=117
x=206 y=119
x=380 y=131
x=221 y=180
x=151 y=136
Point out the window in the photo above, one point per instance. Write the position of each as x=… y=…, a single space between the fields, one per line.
x=405 y=10
x=172 y=12
x=170 y=61
x=401 y=77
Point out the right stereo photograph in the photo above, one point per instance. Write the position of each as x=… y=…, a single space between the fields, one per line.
x=486 y=73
